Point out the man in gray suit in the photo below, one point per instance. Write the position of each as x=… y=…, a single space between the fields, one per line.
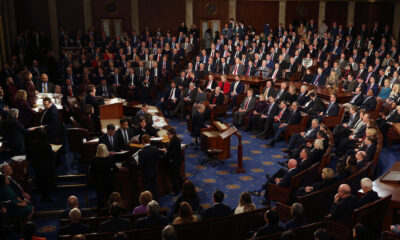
x=188 y=98
x=245 y=107
x=263 y=70
x=237 y=69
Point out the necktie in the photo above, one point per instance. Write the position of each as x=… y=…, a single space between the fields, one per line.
x=116 y=79
x=70 y=91
x=247 y=104
x=273 y=76
x=171 y=94
x=235 y=72
x=164 y=65
x=45 y=88
x=111 y=141
x=248 y=71
x=329 y=107
x=126 y=136
x=280 y=114
x=316 y=80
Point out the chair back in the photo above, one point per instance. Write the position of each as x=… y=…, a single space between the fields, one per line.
x=75 y=138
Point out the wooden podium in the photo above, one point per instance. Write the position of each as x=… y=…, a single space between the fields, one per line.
x=110 y=112
x=214 y=138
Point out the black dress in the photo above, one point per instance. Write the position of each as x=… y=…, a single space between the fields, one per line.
x=173 y=158
x=42 y=157
x=103 y=171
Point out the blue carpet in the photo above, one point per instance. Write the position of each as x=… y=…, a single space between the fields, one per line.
x=259 y=160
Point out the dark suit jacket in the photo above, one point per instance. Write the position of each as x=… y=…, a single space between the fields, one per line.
x=115 y=225
x=315 y=107
x=369 y=104
x=343 y=210
x=50 y=87
x=104 y=139
x=148 y=158
x=74 y=229
x=239 y=88
x=333 y=111
x=268 y=229
x=108 y=93
x=369 y=197
x=213 y=85
x=173 y=156
x=120 y=141
x=219 y=100
x=273 y=112
x=168 y=93
x=287 y=178
x=302 y=98
x=321 y=80
x=197 y=123
x=294 y=117
x=217 y=211
x=52 y=123
x=358 y=100
x=151 y=221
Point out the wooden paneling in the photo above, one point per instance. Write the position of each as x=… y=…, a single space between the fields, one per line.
x=370 y=12
x=70 y=14
x=297 y=11
x=254 y=13
x=33 y=14
x=199 y=10
x=336 y=12
x=167 y=14
x=123 y=12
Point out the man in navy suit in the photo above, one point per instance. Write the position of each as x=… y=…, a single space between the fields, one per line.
x=171 y=97
x=237 y=88
x=319 y=78
x=282 y=178
x=280 y=127
x=299 y=138
x=109 y=139
x=369 y=102
x=149 y=156
x=50 y=120
x=219 y=209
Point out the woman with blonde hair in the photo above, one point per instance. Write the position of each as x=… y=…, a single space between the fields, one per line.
x=332 y=80
x=185 y=214
x=245 y=203
x=144 y=199
x=103 y=170
x=25 y=110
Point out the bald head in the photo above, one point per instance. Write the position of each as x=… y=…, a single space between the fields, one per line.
x=292 y=163
x=344 y=191
x=73 y=202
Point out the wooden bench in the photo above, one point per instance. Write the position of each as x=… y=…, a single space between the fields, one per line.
x=304 y=232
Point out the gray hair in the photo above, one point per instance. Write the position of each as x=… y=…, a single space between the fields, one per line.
x=366 y=183
x=153 y=208
x=74 y=215
x=168 y=232
x=318 y=144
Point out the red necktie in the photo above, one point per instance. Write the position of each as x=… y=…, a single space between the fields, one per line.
x=235 y=72
x=280 y=115
x=70 y=91
x=248 y=72
x=170 y=95
x=276 y=71
x=246 y=105
x=215 y=98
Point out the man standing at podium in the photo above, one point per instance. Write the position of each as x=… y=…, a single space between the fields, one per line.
x=246 y=106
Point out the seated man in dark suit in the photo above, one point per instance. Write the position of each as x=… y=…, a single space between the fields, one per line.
x=104 y=90
x=116 y=223
x=300 y=138
x=369 y=194
x=188 y=98
x=237 y=88
x=280 y=127
x=246 y=106
x=369 y=102
x=170 y=98
x=73 y=202
x=210 y=85
x=109 y=139
x=217 y=98
x=50 y=120
x=140 y=113
x=74 y=227
x=44 y=86
x=153 y=218
x=343 y=204
x=271 y=218
x=282 y=178
x=123 y=135
x=331 y=110
x=219 y=209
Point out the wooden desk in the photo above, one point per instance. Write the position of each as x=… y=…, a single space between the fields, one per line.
x=322 y=92
x=245 y=79
x=385 y=189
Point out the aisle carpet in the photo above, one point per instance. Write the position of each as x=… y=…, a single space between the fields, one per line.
x=258 y=160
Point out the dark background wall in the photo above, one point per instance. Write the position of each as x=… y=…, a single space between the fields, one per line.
x=167 y=14
x=258 y=13
x=70 y=14
x=370 y=12
x=29 y=19
x=301 y=11
x=336 y=12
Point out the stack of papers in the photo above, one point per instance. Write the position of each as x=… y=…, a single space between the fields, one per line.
x=19 y=158
x=159 y=122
